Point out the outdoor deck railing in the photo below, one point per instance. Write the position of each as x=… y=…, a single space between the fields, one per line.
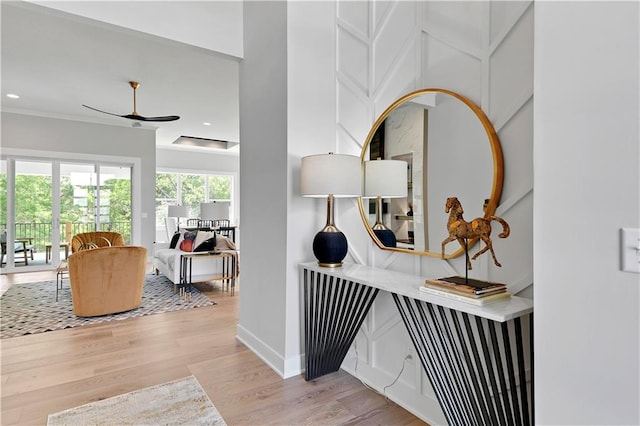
x=40 y=233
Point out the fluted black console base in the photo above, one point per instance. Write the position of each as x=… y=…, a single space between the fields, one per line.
x=476 y=366
x=475 y=357
x=334 y=311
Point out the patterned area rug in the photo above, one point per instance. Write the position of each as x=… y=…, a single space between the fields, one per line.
x=32 y=308
x=181 y=402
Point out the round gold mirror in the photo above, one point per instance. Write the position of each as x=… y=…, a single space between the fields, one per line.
x=451 y=150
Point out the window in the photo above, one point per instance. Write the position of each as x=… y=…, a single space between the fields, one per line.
x=189 y=190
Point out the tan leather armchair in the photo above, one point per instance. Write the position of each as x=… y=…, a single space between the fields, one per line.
x=107 y=280
x=86 y=240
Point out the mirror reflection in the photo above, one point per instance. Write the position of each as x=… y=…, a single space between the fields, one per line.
x=448 y=148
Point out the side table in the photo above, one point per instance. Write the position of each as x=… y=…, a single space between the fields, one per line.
x=227 y=274
x=61 y=270
x=47 y=249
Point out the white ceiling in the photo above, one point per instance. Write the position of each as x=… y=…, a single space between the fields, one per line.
x=56 y=62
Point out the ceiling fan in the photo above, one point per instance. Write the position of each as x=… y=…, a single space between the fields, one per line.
x=134 y=115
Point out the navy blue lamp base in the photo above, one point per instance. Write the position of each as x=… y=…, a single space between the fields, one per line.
x=386 y=237
x=330 y=248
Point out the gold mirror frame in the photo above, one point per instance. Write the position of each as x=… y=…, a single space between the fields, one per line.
x=498 y=167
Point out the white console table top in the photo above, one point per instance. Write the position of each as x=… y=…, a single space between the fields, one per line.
x=409 y=285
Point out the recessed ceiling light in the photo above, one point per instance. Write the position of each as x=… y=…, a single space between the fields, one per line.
x=207 y=124
x=12 y=96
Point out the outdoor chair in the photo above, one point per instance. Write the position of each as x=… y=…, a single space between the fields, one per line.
x=22 y=247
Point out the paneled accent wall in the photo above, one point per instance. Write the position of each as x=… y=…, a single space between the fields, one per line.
x=484 y=51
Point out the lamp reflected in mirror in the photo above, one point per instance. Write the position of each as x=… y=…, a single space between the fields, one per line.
x=384 y=179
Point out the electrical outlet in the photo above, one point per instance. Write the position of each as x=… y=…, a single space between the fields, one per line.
x=630 y=250
x=409 y=353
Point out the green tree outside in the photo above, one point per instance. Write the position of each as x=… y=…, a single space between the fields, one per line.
x=192 y=188
x=33 y=206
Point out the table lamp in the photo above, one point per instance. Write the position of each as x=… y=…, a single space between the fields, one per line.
x=178 y=212
x=384 y=179
x=214 y=210
x=332 y=176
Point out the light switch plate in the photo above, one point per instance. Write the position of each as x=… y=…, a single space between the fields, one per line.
x=630 y=250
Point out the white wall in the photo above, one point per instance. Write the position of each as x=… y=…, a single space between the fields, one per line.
x=197 y=160
x=288 y=111
x=44 y=135
x=587 y=186
x=311 y=111
x=484 y=51
x=263 y=187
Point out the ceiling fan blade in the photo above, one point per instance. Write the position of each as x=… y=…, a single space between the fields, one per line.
x=141 y=118
x=134 y=115
x=104 y=112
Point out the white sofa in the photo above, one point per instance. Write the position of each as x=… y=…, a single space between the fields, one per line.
x=167 y=261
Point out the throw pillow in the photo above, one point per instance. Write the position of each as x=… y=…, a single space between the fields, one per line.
x=183 y=235
x=186 y=245
x=180 y=238
x=207 y=245
x=203 y=236
x=187 y=241
x=174 y=240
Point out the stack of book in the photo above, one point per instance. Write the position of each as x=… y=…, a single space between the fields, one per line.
x=466 y=290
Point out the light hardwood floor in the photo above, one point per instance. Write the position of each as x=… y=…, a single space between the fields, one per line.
x=49 y=372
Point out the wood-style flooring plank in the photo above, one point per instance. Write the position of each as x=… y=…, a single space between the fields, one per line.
x=49 y=372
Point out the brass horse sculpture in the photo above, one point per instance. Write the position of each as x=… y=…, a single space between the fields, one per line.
x=479 y=227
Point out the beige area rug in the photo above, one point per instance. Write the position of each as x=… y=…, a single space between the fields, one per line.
x=181 y=402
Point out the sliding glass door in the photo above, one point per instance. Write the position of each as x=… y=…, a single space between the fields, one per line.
x=47 y=202
x=114 y=200
x=95 y=197
x=27 y=211
x=77 y=189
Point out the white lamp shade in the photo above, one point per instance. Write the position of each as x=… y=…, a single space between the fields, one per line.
x=385 y=178
x=178 y=211
x=335 y=174
x=215 y=210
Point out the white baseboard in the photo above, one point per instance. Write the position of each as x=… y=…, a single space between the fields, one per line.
x=284 y=367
